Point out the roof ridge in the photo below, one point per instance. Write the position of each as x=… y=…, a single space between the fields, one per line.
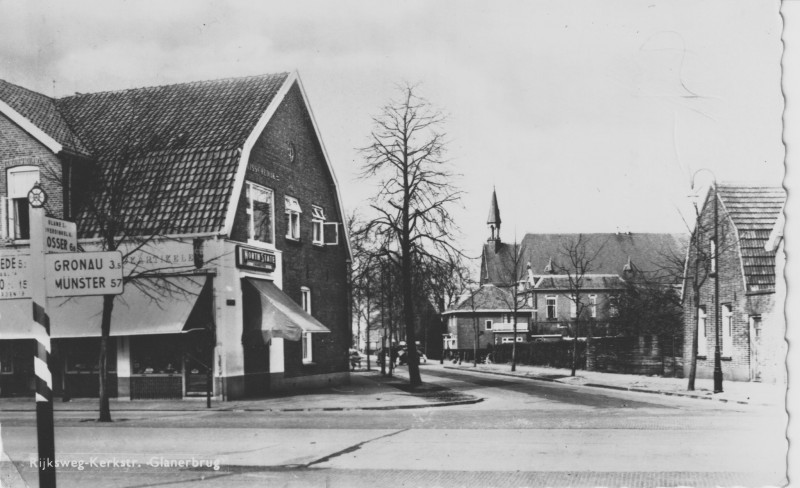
x=184 y=83
x=52 y=99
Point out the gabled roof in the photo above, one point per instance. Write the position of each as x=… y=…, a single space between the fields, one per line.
x=487 y=297
x=196 y=137
x=203 y=114
x=649 y=253
x=190 y=135
x=754 y=211
x=590 y=282
x=42 y=113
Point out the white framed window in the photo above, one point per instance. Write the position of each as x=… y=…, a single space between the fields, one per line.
x=702 y=337
x=573 y=308
x=293 y=212
x=488 y=325
x=317 y=225
x=305 y=298
x=260 y=212
x=307 y=341
x=593 y=306
x=727 y=330
x=551 y=301
x=20 y=181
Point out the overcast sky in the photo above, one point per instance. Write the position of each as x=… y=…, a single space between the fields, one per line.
x=587 y=116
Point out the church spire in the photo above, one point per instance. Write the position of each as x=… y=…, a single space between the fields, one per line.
x=494 y=219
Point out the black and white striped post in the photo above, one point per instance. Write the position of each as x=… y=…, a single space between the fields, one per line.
x=45 y=432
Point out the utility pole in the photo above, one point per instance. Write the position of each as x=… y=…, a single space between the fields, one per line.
x=717 y=358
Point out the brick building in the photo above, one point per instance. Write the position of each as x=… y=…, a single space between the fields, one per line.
x=245 y=274
x=751 y=322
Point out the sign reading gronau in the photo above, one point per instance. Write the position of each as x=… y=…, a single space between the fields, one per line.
x=84 y=273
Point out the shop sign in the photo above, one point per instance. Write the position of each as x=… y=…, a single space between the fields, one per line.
x=249 y=258
x=14 y=276
x=84 y=273
x=60 y=235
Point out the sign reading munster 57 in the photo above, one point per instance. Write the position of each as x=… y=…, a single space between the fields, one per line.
x=84 y=273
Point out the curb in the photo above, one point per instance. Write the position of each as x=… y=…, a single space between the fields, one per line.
x=312 y=409
x=347 y=409
x=607 y=387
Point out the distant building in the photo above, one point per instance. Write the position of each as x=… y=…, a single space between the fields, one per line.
x=251 y=259
x=547 y=309
x=752 y=293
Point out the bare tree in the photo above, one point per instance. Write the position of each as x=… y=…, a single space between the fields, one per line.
x=406 y=155
x=695 y=267
x=123 y=207
x=514 y=284
x=578 y=257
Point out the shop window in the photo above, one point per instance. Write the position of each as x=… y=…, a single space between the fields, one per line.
x=293 y=212
x=305 y=298
x=308 y=355
x=6 y=359
x=20 y=181
x=727 y=330
x=317 y=225
x=551 y=307
x=260 y=213
x=702 y=338
x=593 y=306
x=156 y=355
x=83 y=355
x=488 y=325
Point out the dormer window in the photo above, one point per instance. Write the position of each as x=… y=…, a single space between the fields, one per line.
x=20 y=181
x=317 y=225
x=293 y=212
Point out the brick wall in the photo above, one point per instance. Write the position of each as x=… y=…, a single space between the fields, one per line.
x=18 y=148
x=732 y=292
x=323 y=269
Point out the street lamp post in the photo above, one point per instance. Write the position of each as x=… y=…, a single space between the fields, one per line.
x=715 y=275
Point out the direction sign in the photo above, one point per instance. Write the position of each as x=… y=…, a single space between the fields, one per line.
x=60 y=235
x=83 y=273
x=14 y=276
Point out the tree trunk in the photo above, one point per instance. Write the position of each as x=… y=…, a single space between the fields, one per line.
x=105 y=328
x=475 y=345
x=574 y=347
x=693 y=358
x=514 y=328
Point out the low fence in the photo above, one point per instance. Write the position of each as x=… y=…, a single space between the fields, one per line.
x=555 y=354
x=630 y=355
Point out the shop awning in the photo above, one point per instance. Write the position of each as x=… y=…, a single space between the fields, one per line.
x=269 y=312
x=153 y=306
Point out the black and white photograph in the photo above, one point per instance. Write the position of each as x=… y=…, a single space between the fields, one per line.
x=356 y=243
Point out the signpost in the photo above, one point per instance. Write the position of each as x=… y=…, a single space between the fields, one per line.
x=53 y=269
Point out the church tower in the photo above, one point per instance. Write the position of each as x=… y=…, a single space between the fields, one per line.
x=494 y=220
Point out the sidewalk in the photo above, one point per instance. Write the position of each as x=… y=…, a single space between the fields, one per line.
x=747 y=393
x=368 y=390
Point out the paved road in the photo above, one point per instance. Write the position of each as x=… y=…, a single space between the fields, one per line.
x=526 y=433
